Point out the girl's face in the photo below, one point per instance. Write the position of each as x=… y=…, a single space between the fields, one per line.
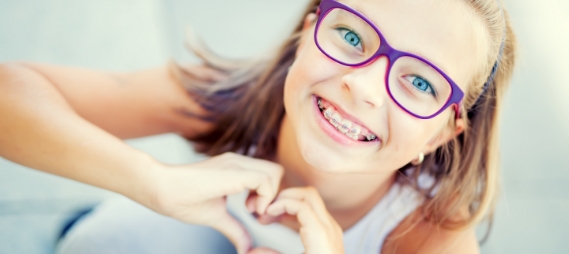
x=446 y=33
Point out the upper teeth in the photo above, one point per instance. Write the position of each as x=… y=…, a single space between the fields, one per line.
x=344 y=126
x=356 y=129
x=336 y=118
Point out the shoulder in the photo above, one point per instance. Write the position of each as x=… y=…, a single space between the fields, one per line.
x=415 y=235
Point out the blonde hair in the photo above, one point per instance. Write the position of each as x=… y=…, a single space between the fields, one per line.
x=467 y=168
x=247 y=108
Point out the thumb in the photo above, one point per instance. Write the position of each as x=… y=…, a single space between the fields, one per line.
x=234 y=231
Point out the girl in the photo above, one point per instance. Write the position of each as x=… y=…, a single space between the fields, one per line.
x=372 y=129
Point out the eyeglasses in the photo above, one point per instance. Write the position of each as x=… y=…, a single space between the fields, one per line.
x=415 y=84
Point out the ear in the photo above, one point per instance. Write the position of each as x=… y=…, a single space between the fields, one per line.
x=308 y=21
x=444 y=136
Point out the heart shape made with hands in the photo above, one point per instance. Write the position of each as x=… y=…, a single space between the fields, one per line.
x=266 y=219
x=302 y=207
x=285 y=219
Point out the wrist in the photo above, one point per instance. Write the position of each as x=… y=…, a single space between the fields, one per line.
x=142 y=187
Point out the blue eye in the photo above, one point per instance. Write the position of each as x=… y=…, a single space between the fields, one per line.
x=351 y=37
x=421 y=84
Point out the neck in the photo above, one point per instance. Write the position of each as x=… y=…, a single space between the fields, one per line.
x=348 y=196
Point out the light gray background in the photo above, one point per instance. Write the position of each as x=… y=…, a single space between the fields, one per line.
x=122 y=35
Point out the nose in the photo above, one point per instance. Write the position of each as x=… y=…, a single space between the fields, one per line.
x=366 y=84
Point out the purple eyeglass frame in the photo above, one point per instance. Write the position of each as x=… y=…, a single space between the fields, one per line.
x=392 y=54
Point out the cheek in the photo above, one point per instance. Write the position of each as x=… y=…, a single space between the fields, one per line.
x=310 y=72
x=407 y=140
x=310 y=69
x=409 y=136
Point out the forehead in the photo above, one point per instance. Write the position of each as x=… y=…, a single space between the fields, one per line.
x=446 y=32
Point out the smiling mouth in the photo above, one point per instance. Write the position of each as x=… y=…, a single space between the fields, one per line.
x=344 y=126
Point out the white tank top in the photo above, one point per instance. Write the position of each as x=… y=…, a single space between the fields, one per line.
x=366 y=236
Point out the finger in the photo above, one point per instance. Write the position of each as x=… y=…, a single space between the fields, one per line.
x=264 y=184
x=308 y=194
x=304 y=213
x=274 y=170
x=251 y=202
x=267 y=193
x=234 y=231
x=260 y=183
x=263 y=250
x=255 y=174
x=238 y=180
x=317 y=235
x=265 y=219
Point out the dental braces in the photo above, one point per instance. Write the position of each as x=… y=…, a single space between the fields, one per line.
x=328 y=115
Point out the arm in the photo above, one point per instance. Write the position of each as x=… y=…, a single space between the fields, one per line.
x=49 y=122
x=127 y=105
x=62 y=120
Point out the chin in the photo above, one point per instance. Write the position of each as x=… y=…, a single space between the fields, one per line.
x=323 y=158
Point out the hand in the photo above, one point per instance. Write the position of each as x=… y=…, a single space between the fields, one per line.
x=319 y=232
x=196 y=193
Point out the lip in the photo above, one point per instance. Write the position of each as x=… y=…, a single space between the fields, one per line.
x=333 y=133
